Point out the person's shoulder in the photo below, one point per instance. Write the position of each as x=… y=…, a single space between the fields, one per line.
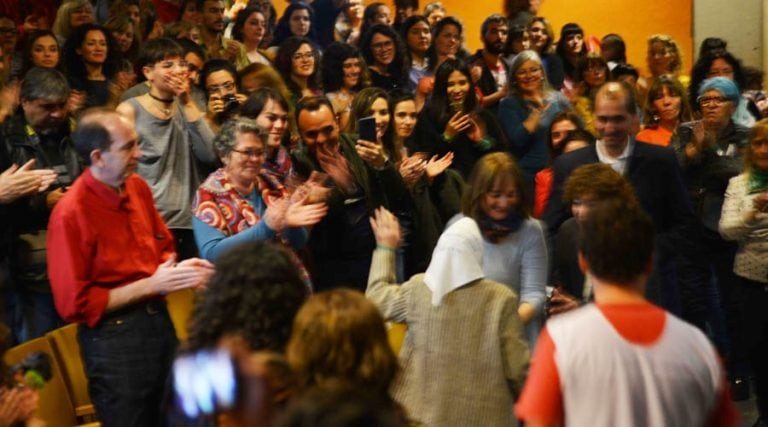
x=653 y=151
x=571 y=320
x=497 y=291
x=739 y=181
x=576 y=158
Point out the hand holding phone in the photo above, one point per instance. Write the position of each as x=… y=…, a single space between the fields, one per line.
x=366 y=128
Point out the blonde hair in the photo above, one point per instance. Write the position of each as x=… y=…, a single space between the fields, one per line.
x=671 y=46
x=758 y=131
x=61 y=25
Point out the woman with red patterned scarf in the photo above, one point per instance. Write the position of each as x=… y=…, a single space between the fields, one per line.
x=240 y=203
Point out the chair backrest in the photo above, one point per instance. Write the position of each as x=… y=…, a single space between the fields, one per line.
x=67 y=351
x=180 y=305
x=55 y=406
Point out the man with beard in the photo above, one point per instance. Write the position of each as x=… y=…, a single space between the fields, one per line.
x=488 y=69
x=212 y=34
x=361 y=179
x=40 y=132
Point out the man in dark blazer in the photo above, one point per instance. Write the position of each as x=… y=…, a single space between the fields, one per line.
x=652 y=170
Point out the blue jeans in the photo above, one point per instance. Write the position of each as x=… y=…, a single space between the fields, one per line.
x=127 y=359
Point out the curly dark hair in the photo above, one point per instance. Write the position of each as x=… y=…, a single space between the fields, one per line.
x=333 y=66
x=398 y=68
x=242 y=16
x=701 y=69
x=284 y=64
x=73 y=61
x=282 y=30
x=254 y=294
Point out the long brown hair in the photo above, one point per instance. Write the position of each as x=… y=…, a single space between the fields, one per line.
x=489 y=169
x=339 y=340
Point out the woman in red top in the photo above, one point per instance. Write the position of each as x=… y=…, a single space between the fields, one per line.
x=665 y=107
x=563 y=123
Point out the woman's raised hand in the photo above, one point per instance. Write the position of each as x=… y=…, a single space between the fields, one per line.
x=386 y=228
x=435 y=166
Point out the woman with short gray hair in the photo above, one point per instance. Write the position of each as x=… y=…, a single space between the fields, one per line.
x=240 y=203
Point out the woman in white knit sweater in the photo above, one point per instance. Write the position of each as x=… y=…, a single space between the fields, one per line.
x=745 y=219
x=464 y=357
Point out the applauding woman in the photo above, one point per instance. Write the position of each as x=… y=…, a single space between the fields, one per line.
x=239 y=203
x=174 y=138
x=527 y=112
x=744 y=219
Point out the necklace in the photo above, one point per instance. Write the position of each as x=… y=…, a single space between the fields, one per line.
x=167 y=103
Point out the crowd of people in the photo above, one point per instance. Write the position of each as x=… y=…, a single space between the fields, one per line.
x=537 y=202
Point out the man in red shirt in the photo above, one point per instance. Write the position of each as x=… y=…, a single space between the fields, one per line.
x=110 y=260
x=622 y=361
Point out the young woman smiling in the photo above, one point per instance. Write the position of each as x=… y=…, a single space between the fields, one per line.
x=454 y=121
x=249 y=29
x=384 y=52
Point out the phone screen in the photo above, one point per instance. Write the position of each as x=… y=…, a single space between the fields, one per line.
x=366 y=127
x=204 y=382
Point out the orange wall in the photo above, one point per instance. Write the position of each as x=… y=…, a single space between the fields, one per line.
x=633 y=20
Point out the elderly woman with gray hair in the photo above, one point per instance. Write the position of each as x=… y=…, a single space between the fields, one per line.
x=711 y=152
x=526 y=113
x=240 y=202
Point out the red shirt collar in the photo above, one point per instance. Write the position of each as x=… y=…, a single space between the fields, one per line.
x=104 y=192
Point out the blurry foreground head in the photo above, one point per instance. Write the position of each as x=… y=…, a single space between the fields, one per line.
x=339 y=340
x=254 y=296
x=616 y=240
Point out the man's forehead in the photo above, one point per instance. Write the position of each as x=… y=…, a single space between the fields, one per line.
x=611 y=104
x=319 y=118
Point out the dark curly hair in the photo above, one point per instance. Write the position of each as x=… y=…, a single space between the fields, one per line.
x=284 y=64
x=254 y=294
x=74 y=61
x=398 y=68
x=333 y=66
x=701 y=69
x=283 y=28
x=242 y=16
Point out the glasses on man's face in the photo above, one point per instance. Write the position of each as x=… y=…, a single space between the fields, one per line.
x=717 y=101
x=250 y=153
x=7 y=31
x=382 y=45
x=298 y=56
x=224 y=87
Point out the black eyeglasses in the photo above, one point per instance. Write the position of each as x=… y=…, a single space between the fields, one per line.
x=252 y=154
